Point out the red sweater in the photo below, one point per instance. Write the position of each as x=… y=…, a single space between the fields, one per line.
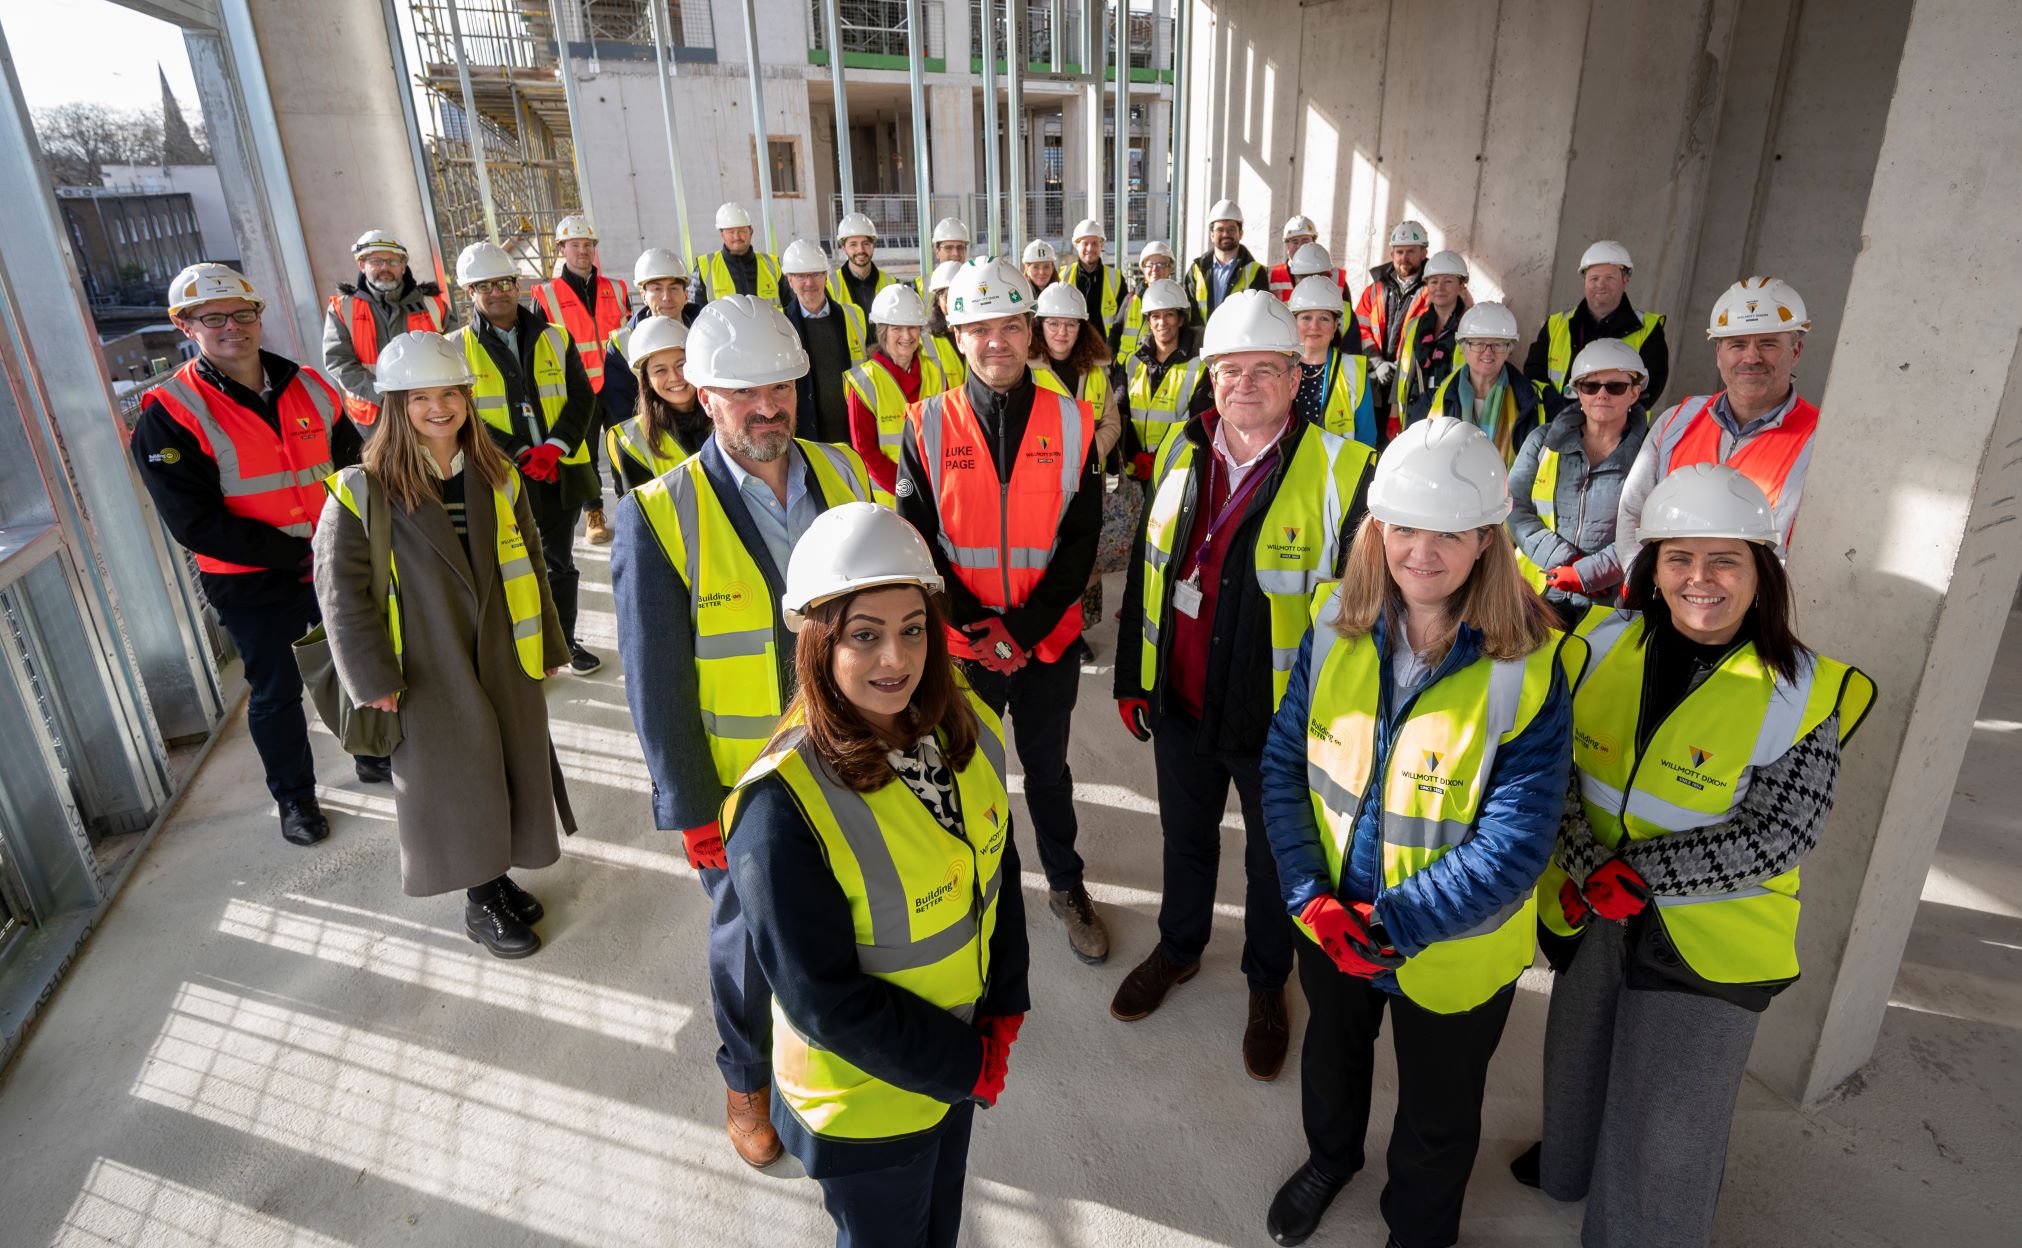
x=864 y=421
x=1187 y=659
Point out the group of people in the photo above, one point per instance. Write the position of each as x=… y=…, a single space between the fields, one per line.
x=1492 y=660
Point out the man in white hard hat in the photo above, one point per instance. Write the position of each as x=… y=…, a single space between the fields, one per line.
x=1426 y=349
x=1156 y=261
x=951 y=242
x=1251 y=509
x=1299 y=231
x=858 y=280
x=1225 y=267
x=233 y=448
x=536 y=403
x=662 y=281
x=697 y=572
x=835 y=335
x=1101 y=285
x=1757 y=424
x=1604 y=311
x=591 y=307
x=734 y=268
x=363 y=316
x=1395 y=294
x=997 y=475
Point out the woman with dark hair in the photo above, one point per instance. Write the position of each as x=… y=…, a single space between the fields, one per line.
x=1070 y=357
x=871 y=847
x=669 y=424
x=1706 y=747
x=459 y=648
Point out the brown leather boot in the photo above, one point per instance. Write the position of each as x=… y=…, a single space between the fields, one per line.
x=1085 y=933
x=596 y=528
x=1144 y=988
x=748 y=1117
x=1266 y=1037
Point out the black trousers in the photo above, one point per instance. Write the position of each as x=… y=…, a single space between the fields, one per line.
x=556 y=523
x=1041 y=701
x=1193 y=791
x=265 y=636
x=917 y=1205
x=1442 y=1074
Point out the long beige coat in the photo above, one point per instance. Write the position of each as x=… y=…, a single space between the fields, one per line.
x=475 y=786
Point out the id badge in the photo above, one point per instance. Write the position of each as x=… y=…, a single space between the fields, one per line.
x=1186 y=598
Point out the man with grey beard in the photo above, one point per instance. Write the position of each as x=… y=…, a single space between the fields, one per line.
x=364 y=316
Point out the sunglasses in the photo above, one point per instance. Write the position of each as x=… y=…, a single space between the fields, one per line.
x=1595 y=387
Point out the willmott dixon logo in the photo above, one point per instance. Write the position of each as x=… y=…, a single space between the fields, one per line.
x=1432 y=760
x=1045 y=443
x=1291 y=534
x=1699 y=756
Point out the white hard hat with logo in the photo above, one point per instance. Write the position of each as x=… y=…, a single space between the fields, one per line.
x=484 y=262
x=1088 y=227
x=950 y=230
x=987 y=289
x=1708 y=500
x=1310 y=259
x=1442 y=475
x=573 y=226
x=654 y=335
x=1039 y=251
x=944 y=275
x=855 y=225
x=1063 y=299
x=378 y=240
x=1486 y=322
x=201 y=283
x=1252 y=320
x=1317 y=293
x=1446 y=264
x=853 y=547
x=1156 y=248
x=1225 y=210
x=1163 y=295
x=1408 y=234
x=1299 y=224
x=802 y=256
x=1607 y=251
x=418 y=361
x=899 y=304
x=740 y=342
x=1758 y=305
x=732 y=217
x=657 y=263
x=1604 y=355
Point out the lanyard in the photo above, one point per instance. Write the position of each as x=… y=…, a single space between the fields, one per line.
x=1232 y=505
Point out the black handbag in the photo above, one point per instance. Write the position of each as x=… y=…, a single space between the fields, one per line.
x=362 y=730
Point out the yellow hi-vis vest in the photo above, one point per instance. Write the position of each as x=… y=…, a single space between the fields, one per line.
x=1695 y=772
x=1094 y=385
x=1112 y=292
x=877 y=389
x=515 y=568
x=1433 y=783
x=1157 y=413
x=953 y=367
x=1544 y=501
x=1298 y=546
x=923 y=902
x=1133 y=327
x=1345 y=394
x=839 y=290
x=550 y=385
x=628 y=438
x=730 y=607
x=714 y=271
x=1559 y=343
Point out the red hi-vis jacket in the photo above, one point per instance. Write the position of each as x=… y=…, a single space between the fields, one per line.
x=999 y=536
x=559 y=301
x=1373 y=310
x=273 y=477
x=1774 y=459
x=357 y=313
x=1282 y=282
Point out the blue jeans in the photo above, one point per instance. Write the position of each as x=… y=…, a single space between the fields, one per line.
x=737 y=991
x=916 y=1205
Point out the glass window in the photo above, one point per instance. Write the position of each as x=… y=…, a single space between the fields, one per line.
x=785 y=161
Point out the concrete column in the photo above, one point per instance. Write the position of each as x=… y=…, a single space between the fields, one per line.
x=1157 y=160
x=1073 y=147
x=1903 y=560
x=1094 y=100
x=951 y=141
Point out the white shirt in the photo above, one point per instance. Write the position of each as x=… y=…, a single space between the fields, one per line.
x=1237 y=471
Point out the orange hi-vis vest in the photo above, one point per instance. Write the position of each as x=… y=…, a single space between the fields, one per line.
x=1774 y=459
x=1000 y=537
x=562 y=306
x=1372 y=309
x=356 y=311
x=273 y=477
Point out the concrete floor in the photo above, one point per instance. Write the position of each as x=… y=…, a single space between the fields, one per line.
x=266 y=1045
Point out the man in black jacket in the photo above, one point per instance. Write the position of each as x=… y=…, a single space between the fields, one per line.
x=1225 y=268
x=1604 y=311
x=832 y=333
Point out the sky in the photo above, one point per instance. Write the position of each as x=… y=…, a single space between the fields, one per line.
x=115 y=64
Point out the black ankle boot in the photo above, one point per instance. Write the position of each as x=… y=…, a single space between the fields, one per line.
x=493 y=924
x=522 y=902
x=1525 y=1168
x=1297 y=1208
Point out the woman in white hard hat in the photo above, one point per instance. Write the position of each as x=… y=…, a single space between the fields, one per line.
x=1070 y=357
x=871 y=846
x=458 y=646
x=1489 y=393
x=1041 y=264
x=1333 y=382
x=1412 y=784
x=668 y=424
x=1706 y=749
x=662 y=280
x=1426 y=350
x=900 y=372
x=1154 y=262
x=940 y=337
x=1567 y=481
x=1162 y=380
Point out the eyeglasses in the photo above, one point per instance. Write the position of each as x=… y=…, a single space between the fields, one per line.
x=216 y=320
x=1262 y=375
x=496 y=286
x=1595 y=387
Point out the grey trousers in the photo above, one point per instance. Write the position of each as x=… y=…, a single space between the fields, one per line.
x=1639 y=1099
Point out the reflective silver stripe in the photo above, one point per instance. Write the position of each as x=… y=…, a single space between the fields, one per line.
x=1282 y=658
x=1324 y=637
x=1029 y=557
x=1493 y=921
x=1151 y=633
x=1674 y=426
x=232 y=481
x=981 y=558
x=1669 y=815
x=738 y=727
x=1295 y=581
x=1602 y=638
x=319 y=398
x=1791 y=492
x=1157 y=558
x=1072 y=451
x=927 y=950
x=488 y=402
x=298 y=529
x=1785 y=713
x=1332 y=794
x=551 y=390
x=992 y=746
x=681 y=489
x=747 y=644
x=511 y=568
x=1736 y=895
x=1505 y=698
x=529 y=627
x=1599 y=792
x=839 y=459
x=931 y=430
x=884 y=892
x=1333 y=508
x=1417 y=832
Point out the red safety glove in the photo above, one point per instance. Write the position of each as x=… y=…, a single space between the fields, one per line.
x=542 y=462
x=996 y=1065
x=705 y=847
x=994 y=647
x=1134 y=712
x=1344 y=936
x=1565 y=579
x=1615 y=891
x=1573 y=904
x=1004 y=1026
x=1141 y=465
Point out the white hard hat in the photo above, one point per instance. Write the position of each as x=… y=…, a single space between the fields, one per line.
x=1317 y=293
x=654 y=335
x=742 y=341
x=949 y=230
x=1446 y=264
x=1089 y=227
x=852 y=547
x=1485 y=321
x=1605 y=355
x=1310 y=259
x=419 y=360
x=732 y=217
x=855 y=225
x=201 y=283
x=1443 y=475
x=802 y=256
x=1157 y=249
x=1253 y=320
x=1408 y=234
x=484 y=262
x=1039 y=251
x=1708 y=500
x=378 y=240
x=1607 y=251
x=1758 y=305
x=944 y=275
x=1063 y=299
x=987 y=289
x=575 y=225
x=1163 y=295
x=655 y=263
x=1299 y=224
x=1225 y=210
x=899 y=304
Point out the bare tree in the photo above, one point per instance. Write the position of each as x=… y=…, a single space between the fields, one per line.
x=80 y=139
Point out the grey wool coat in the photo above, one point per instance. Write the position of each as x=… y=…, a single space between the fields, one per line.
x=475 y=785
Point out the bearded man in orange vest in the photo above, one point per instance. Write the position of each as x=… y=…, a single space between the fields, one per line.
x=591 y=307
x=997 y=476
x=362 y=317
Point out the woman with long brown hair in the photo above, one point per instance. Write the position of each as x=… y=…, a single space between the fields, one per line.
x=668 y=423
x=871 y=848
x=1412 y=783
x=460 y=646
